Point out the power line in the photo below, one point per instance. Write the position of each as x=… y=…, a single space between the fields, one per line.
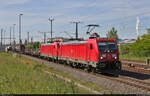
x=3 y=38
x=44 y=33
x=68 y=34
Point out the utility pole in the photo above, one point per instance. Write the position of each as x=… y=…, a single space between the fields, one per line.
x=51 y=20
x=44 y=37
x=4 y=36
x=14 y=33
x=28 y=36
x=1 y=37
x=76 y=23
x=44 y=33
x=10 y=35
x=31 y=39
x=20 y=28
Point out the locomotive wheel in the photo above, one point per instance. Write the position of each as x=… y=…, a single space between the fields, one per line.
x=94 y=70
x=119 y=66
x=77 y=65
x=88 y=69
x=73 y=65
x=61 y=62
x=116 y=75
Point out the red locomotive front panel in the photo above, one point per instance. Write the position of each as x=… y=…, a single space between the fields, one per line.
x=103 y=55
x=108 y=55
x=108 y=51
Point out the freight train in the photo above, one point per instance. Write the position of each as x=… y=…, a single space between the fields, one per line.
x=95 y=54
x=18 y=48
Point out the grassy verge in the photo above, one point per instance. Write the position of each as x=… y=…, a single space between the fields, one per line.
x=133 y=58
x=86 y=83
x=26 y=77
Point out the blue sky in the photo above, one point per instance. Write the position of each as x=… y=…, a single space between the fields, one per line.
x=120 y=14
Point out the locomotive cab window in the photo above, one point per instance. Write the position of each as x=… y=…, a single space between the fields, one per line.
x=91 y=46
x=105 y=46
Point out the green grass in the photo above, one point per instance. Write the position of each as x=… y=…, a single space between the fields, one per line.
x=91 y=85
x=126 y=57
x=26 y=77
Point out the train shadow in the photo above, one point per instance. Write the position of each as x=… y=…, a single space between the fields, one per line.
x=135 y=75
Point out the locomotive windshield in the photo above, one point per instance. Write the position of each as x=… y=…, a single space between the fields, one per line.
x=107 y=47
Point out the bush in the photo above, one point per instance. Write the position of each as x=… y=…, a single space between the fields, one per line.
x=140 y=48
x=35 y=45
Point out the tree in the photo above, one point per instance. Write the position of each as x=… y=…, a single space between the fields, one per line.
x=112 y=34
x=140 y=48
x=148 y=30
x=34 y=45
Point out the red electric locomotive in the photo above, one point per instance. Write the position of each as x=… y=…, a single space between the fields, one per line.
x=95 y=54
x=49 y=51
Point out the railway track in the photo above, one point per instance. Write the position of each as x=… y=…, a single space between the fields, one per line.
x=141 y=62
x=129 y=81
x=135 y=66
x=121 y=79
x=138 y=70
x=134 y=80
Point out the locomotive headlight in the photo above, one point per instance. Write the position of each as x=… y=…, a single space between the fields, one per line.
x=102 y=56
x=114 y=56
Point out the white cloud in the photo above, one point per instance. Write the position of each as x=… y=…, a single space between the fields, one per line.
x=11 y=2
x=96 y=4
x=98 y=12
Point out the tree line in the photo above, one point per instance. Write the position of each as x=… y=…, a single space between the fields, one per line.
x=140 y=48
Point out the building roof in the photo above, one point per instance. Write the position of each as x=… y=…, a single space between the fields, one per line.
x=127 y=41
